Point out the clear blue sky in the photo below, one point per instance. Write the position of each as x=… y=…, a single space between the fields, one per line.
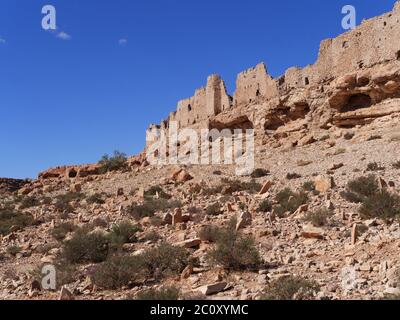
x=70 y=101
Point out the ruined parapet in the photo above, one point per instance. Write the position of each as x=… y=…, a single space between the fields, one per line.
x=374 y=41
x=206 y=102
x=253 y=84
x=217 y=99
x=354 y=73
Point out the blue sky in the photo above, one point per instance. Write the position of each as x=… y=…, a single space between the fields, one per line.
x=69 y=101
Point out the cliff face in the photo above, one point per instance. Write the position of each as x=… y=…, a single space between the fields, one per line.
x=355 y=80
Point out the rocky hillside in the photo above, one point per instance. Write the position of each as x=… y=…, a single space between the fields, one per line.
x=310 y=216
x=317 y=219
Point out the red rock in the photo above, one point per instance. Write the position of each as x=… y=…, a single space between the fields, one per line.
x=191 y=243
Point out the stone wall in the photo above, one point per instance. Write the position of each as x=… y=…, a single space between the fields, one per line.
x=254 y=84
x=375 y=41
x=306 y=96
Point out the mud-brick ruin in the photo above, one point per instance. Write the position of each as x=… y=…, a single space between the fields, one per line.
x=355 y=80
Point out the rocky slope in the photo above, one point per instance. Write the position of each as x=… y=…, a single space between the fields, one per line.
x=117 y=229
x=287 y=243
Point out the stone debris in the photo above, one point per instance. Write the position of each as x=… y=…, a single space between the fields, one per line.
x=316 y=129
x=265 y=188
x=324 y=184
x=211 y=289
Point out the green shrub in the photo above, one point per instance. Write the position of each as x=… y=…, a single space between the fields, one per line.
x=361 y=188
x=351 y=197
x=308 y=186
x=234 y=250
x=208 y=233
x=63 y=207
x=95 y=198
x=86 y=247
x=318 y=218
x=259 y=173
x=60 y=231
x=165 y=260
x=214 y=209
x=113 y=163
x=265 y=206
x=231 y=186
x=151 y=206
x=209 y=191
x=289 y=201
x=63 y=202
x=157 y=190
x=165 y=293
x=123 y=232
x=383 y=205
x=71 y=196
x=293 y=176
x=157 y=263
x=13 y=250
x=374 y=166
x=119 y=271
x=291 y=288
x=99 y=222
x=29 y=202
x=152 y=236
x=9 y=218
x=376 y=203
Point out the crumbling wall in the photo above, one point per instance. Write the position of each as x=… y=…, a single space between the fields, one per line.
x=339 y=81
x=206 y=102
x=254 y=84
x=375 y=41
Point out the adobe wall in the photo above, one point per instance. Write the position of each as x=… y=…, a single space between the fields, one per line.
x=375 y=41
x=254 y=84
x=206 y=102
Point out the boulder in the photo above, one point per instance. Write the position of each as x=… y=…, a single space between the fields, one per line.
x=167 y=218
x=181 y=175
x=310 y=232
x=308 y=139
x=244 y=220
x=191 y=243
x=265 y=188
x=354 y=234
x=211 y=289
x=177 y=217
x=187 y=272
x=324 y=184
